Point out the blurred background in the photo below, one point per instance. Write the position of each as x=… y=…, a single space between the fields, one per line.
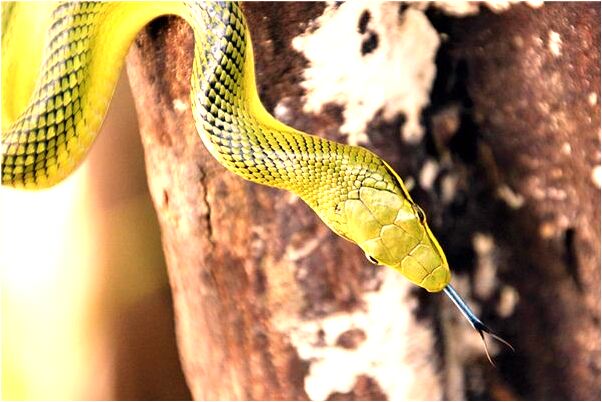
x=87 y=313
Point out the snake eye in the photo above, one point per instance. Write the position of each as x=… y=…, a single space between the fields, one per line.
x=372 y=259
x=420 y=213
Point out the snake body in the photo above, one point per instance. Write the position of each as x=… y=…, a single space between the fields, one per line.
x=48 y=128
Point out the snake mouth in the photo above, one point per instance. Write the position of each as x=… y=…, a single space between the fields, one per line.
x=433 y=282
x=437 y=280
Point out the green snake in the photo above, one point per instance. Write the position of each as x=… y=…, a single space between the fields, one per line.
x=52 y=114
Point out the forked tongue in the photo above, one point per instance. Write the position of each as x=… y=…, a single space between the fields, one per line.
x=476 y=323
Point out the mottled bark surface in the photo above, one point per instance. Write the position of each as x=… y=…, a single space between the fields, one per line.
x=513 y=125
x=534 y=126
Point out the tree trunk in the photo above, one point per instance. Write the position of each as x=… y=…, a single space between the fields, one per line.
x=532 y=81
x=271 y=305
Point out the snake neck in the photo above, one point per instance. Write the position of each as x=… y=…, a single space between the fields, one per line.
x=248 y=141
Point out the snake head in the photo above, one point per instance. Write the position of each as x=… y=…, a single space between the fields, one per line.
x=392 y=230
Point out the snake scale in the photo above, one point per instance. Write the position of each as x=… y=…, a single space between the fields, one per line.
x=51 y=116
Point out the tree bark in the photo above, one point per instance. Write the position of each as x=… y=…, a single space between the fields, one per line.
x=532 y=81
x=271 y=305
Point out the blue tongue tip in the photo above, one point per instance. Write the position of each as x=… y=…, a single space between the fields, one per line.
x=476 y=323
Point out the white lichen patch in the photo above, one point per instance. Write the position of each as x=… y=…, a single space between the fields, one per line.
x=556 y=193
x=509 y=298
x=428 y=174
x=457 y=8
x=592 y=98
x=282 y=111
x=510 y=197
x=395 y=77
x=449 y=185
x=554 y=43
x=395 y=352
x=484 y=280
x=466 y=8
x=179 y=105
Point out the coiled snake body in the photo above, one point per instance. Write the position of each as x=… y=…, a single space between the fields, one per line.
x=47 y=134
x=351 y=189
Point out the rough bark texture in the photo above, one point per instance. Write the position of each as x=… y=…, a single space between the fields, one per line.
x=535 y=121
x=244 y=260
